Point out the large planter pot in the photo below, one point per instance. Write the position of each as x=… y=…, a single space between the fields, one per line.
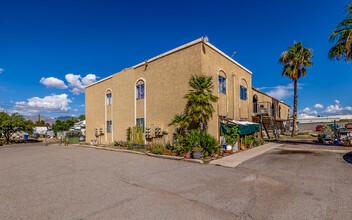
x=197 y=154
x=229 y=147
x=188 y=155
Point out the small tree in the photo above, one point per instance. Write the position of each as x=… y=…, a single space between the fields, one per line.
x=10 y=124
x=199 y=100
x=181 y=121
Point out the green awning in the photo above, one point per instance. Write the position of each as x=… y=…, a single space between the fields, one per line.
x=244 y=129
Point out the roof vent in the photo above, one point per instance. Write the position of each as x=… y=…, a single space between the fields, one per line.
x=205 y=39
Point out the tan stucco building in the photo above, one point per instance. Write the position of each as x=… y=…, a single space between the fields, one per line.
x=152 y=92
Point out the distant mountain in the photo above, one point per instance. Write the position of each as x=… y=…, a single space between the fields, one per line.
x=64 y=117
x=35 y=118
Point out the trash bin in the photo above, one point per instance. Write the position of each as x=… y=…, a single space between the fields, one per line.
x=25 y=136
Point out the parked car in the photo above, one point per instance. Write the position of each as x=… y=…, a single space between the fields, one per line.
x=333 y=126
x=319 y=128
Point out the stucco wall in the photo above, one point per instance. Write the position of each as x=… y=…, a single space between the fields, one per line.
x=229 y=104
x=166 y=83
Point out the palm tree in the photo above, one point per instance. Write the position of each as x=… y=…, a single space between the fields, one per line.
x=199 y=99
x=295 y=61
x=343 y=37
x=181 y=121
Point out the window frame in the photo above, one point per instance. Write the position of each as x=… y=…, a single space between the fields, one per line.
x=222 y=84
x=140 y=94
x=108 y=98
x=109 y=126
x=243 y=93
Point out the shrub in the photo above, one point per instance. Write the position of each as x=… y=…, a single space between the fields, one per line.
x=72 y=134
x=119 y=143
x=209 y=144
x=157 y=149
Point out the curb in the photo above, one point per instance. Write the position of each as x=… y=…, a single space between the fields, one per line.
x=141 y=153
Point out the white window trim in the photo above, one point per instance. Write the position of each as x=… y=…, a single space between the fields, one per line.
x=106 y=126
x=145 y=102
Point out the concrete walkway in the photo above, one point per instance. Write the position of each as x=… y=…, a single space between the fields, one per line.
x=236 y=159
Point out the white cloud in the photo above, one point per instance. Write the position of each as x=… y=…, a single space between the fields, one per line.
x=337 y=109
x=307 y=113
x=89 y=79
x=48 y=104
x=53 y=82
x=77 y=83
x=318 y=105
x=1 y=70
x=281 y=92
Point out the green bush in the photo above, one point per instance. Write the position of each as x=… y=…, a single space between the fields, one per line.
x=157 y=149
x=119 y=143
x=209 y=144
x=192 y=140
x=72 y=134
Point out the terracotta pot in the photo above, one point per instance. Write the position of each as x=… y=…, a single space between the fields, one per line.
x=188 y=155
x=242 y=147
x=228 y=151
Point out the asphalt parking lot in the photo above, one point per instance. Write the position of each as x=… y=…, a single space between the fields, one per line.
x=56 y=182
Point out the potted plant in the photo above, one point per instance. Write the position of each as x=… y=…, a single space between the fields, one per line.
x=197 y=152
x=231 y=139
x=243 y=144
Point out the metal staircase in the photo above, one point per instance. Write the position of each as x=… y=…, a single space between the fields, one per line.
x=266 y=117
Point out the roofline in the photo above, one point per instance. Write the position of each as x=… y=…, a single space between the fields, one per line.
x=171 y=51
x=202 y=39
x=270 y=96
x=106 y=78
x=226 y=56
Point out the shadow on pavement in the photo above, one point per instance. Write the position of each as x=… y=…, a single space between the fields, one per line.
x=312 y=142
x=348 y=157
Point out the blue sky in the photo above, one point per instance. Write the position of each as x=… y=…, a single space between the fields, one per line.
x=68 y=40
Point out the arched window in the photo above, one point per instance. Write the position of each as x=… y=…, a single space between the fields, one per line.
x=140 y=90
x=255 y=104
x=279 y=111
x=243 y=90
x=222 y=84
x=108 y=97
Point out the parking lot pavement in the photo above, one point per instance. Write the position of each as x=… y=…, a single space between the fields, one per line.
x=55 y=182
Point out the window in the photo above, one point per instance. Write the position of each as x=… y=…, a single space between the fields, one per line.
x=279 y=111
x=243 y=93
x=108 y=99
x=222 y=84
x=140 y=123
x=108 y=126
x=140 y=91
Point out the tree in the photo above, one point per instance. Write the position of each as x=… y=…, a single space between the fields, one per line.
x=64 y=125
x=181 y=121
x=295 y=61
x=82 y=117
x=342 y=50
x=10 y=124
x=199 y=100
